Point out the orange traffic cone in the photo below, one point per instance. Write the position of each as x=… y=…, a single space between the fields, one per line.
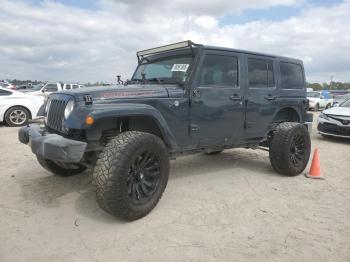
x=315 y=169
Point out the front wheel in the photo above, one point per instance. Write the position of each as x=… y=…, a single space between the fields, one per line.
x=17 y=116
x=131 y=174
x=290 y=148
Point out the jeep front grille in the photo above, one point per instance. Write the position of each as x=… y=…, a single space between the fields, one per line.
x=55 y=113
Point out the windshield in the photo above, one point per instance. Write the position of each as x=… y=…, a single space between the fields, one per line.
x=169 y=69
x=346 y=103
x=37 y=87
x=313 y=94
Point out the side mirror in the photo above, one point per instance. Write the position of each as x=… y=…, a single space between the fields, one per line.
x=42 y=90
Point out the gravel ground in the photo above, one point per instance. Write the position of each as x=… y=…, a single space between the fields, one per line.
x=229 y=207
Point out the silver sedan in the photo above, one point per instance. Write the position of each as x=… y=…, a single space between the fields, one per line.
x=335 y=121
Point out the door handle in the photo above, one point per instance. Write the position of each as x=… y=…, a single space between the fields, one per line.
x=270 y=97
x=236 y=97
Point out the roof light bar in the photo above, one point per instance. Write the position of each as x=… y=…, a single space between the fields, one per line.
x=165 y=48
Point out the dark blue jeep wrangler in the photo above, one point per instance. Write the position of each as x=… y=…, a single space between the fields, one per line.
x=183 y=98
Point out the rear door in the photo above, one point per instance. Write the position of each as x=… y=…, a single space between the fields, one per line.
x=261 y=95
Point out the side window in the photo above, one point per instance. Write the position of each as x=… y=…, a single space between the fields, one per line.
x=51 y=88
x=75 y=86
x=67 y=86
x=219 y=71
x=291 y=76
x=260 y=73
x=5 y=93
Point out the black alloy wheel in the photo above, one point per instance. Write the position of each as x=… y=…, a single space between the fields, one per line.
x=143 y=177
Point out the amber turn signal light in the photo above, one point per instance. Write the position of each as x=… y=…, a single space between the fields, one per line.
x=89 y=120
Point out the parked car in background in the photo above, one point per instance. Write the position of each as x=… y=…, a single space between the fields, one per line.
x=45 y=89
x=71 y=86
x=17 y=108
x=335 y=121
x=8 y=86
x=23 y=87
x=48 y=88
x=340 y=99
x=319 y=99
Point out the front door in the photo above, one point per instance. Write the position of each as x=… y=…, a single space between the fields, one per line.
x=217 y=108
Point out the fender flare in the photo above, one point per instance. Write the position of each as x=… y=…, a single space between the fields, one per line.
x=296 y=109
x=102 y=111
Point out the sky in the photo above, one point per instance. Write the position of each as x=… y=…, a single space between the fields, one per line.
x=95 y=40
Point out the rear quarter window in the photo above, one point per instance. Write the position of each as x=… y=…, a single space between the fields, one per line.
x=292 y=76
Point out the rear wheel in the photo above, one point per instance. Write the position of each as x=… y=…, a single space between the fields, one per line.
x=131 y=174
x=290 y=148
x=317 y=107
x=328 y=106
x=59 y=170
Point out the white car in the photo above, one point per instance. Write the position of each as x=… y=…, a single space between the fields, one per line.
x=319 y=100
x=16 y=108
x=71 y=86
x=48 y=88
x=8 y=86
x=335 y=121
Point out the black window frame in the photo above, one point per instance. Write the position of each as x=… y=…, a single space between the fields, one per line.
x=268 y=61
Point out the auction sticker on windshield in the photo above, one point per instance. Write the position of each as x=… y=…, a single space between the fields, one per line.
x=180 y=67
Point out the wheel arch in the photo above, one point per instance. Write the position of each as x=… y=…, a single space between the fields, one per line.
x=287 y=114
x=137 y=117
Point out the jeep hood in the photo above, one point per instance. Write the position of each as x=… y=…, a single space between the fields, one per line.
x=119 y=92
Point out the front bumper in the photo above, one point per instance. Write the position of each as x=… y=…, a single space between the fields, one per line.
x=52 y=146
x=333 y=128
x=309 y=121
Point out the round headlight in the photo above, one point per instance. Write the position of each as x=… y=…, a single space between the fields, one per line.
x=69 y=108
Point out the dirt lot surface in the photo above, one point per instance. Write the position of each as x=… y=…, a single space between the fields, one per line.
x=229 y=207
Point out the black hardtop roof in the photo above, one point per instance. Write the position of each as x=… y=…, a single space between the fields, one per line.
x=191 y=45
x=209 y=47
